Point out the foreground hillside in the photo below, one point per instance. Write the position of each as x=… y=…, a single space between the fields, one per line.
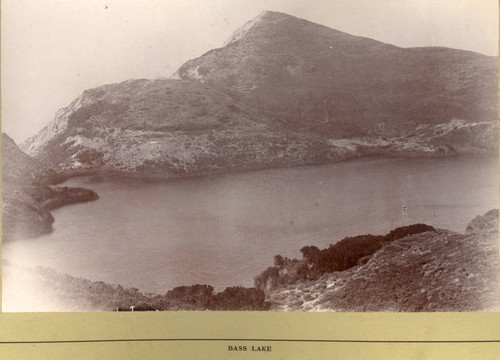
x=281 y=92
x=431 y=270
x=43 y=289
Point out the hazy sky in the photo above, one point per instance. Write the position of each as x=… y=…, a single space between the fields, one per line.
x=52 y=50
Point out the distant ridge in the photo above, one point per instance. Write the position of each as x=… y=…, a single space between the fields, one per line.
x=282 y=92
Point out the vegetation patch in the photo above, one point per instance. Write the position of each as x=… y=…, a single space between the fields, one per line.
x=345 y=254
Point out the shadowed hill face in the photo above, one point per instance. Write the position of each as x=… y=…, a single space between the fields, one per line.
x=17 y=167
x=21 y=175
x=307 y=76
x=26 y=196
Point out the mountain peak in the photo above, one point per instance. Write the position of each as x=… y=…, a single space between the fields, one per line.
x=290 y=78
x=265 y=12
x=275 y=14
x=242 y=31
x=265 y=16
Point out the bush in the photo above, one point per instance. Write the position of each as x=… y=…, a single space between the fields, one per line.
x=239 y=298
x=195 y=297
x=346 y=253
x=401 y=232
x=310 y=253
x=268 y=279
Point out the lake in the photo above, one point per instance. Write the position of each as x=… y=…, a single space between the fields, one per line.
x=223 y=230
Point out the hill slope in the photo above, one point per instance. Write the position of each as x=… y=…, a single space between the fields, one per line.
x=26 y=197
x=431 y=271
x=167 y=127
x=309 y=77
x=284 y=92
x=281 y=92
x=22 y=215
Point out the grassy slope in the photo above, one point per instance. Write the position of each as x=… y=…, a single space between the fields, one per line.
x=309 y=77
x=173 y=127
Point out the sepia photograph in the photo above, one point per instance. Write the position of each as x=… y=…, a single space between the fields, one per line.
x=282 y=156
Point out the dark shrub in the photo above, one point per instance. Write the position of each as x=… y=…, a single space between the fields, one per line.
x=268 y=279
x=346 y=253
x=279 y=261
x=195 y=297
x=239 y=298
x=401 y=232
x=304 y=272
x=310 y=253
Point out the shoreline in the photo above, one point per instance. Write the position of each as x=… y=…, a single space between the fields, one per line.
x=64 y=292
x=67 y=174
x=45 y=198
x=61 y=177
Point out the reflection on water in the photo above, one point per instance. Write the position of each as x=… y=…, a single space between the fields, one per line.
x=224 y=230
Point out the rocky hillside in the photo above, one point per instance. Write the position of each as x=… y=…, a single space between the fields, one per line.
x=431 y=271
x=281 y=92
x=27 y=197
x=312 y=78
x=168 y=127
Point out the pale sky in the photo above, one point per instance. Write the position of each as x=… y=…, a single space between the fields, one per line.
x=52 y=50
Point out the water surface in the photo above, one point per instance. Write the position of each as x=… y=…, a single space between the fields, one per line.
x=223 y=230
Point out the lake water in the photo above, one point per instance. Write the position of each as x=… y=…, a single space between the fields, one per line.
x=223 y=230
